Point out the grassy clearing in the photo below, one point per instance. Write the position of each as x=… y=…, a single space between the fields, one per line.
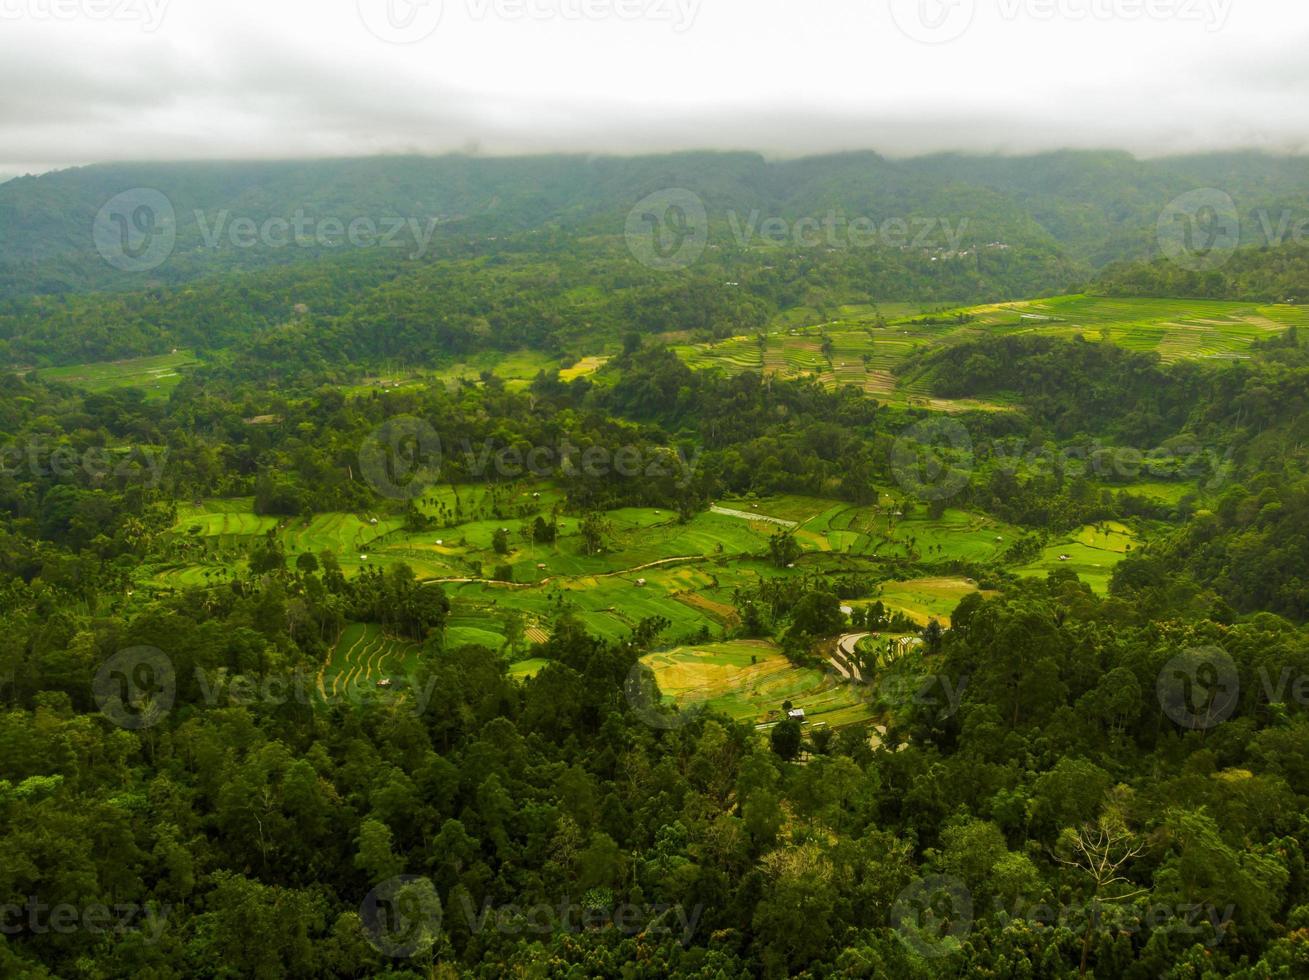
x=1166 y=492
x=924 y=599
x=527 y=668
x=748 y=680
x=515 y=368
x=583 y=368
x=156 y=375
x=1091 y=552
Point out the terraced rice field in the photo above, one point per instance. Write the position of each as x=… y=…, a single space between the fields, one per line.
x=691 y=597
x=865 y=358
x=654 y=567
x=848 y=351
x=869 y=355
x=733 y=354
x=192 y=575
x=340 y=533
x=1168 y=492
x=791 y=507
x=475 y=624
x=887 y=531
x=925 y=599
x=362 y=656
x=583 y=368
x=229 y=528
x=1174 y=329
x=748 y=680
x=800 y=354
x=1091 y=552
x=222 y=519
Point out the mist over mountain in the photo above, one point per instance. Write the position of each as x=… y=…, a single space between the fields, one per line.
x=1089 y=208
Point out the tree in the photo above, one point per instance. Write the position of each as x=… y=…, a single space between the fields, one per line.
x=1101 y=851
x=817 y=614
x=373 y=853
x=268 y=556
x=515 y=628
x=783 y=549
x=258 y=930
x=543 y=531
x=785 y=738
x=601 y=864
x=932 y=634
x=594 y=530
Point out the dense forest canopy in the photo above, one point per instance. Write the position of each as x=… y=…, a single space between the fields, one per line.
x=1077 y=210
x=362 y=639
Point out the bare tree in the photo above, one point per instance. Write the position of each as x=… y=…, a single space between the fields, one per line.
x=1101 y=850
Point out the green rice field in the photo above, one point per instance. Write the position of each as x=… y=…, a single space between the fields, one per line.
x=157 y=376
x=654 y=566
x=362 y=656
x=1091 y=552
x=869 y=352
x=748 y=680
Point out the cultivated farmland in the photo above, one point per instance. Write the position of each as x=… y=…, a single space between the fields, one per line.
x=869 y=348
x=749 y=680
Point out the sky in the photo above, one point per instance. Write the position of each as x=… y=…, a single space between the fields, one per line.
x=85 y=81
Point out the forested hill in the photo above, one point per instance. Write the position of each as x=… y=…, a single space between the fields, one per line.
x=1088 y=208
x=1272 y=275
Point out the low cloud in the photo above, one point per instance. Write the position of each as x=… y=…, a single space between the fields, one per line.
x=307 y=80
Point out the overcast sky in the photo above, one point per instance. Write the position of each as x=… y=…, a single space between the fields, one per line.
x=91 y=80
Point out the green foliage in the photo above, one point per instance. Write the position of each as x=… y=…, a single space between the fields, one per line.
x=785 y=739
x=783 y=549
x=1024 y=752
x=1275 y=274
